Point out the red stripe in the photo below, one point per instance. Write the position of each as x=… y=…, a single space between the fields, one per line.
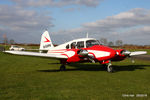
x=65 y=55
x=55 y=52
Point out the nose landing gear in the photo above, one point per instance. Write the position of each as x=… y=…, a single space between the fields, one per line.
x=109 y=67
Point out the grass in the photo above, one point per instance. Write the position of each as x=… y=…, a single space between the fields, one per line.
x=32 y=78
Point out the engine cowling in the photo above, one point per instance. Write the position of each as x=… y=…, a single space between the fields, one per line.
x=121 y=54
x=125 y=52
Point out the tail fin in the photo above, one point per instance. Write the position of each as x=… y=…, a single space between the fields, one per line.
x=46 y=42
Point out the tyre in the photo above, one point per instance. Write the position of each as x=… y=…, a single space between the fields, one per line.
x=62 y=68
x=109 y=68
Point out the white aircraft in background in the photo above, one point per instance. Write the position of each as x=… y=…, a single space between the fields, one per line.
x=79 y=50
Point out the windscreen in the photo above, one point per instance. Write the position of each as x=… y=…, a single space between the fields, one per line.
x=91 y=43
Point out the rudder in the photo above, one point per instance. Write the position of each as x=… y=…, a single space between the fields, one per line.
x=46 y=42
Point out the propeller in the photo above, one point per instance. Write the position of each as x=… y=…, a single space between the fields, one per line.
x=85 y=53
x=82 y=52
x=125 y=52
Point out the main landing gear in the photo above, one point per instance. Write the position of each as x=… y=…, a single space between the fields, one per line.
x=62 y=67
x=63 y=63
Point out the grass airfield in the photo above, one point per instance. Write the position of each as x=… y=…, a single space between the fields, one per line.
x=33 y=78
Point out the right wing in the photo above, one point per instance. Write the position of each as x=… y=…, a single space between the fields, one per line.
x=138 y=53
x=56 y=56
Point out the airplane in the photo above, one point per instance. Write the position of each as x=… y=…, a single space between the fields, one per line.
x=79 y=50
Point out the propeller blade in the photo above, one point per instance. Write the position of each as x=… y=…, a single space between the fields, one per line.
x=82 y=52
x=137 y=53
x=86 y=54
x=126 y=53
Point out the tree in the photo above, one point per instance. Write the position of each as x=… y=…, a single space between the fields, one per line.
x=103 y=41
x=110 y=43
x=119 y=43
x=12 y=41
x=5 y=39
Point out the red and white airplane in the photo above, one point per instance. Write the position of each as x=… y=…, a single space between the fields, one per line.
x=79 y=50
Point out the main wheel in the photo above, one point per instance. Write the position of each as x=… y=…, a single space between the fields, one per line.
x=62 y=68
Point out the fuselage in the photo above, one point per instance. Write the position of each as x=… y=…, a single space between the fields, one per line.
x=96 y=52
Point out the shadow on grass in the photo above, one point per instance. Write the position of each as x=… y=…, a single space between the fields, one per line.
x=53 y=63
x=129 y=67
x=98 y=67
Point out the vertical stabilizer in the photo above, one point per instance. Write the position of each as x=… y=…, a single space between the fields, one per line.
x=46 y=42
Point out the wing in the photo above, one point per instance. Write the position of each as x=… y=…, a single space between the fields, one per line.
x=138 y=53
x=56 y=56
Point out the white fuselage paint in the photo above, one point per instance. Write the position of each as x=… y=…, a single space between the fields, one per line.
x=62 y=52
x=70 y=53
x=99 y=53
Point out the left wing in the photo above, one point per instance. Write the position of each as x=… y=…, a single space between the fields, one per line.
x=56 y=56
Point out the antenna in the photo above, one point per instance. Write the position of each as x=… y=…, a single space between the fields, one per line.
x=87 y=35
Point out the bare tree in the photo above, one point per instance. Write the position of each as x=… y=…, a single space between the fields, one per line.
x=5 y=39
x=103 y=41
x=110 y=43
x=119 y=43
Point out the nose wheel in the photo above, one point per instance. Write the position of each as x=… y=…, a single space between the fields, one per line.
x=109 y=67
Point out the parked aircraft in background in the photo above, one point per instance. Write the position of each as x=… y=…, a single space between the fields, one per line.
x=79 y=50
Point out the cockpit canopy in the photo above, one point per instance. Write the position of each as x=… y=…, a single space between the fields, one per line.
x=82 y=44
x=90 y=43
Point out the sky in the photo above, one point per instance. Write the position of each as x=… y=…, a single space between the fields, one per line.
x=126 y=20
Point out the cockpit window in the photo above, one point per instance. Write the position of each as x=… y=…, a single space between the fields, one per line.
x=67 y=47
x=91 y=43
x=80 y=44
x=73 y=45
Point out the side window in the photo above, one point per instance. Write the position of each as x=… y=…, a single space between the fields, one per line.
x=67 y=47
x=88 y=44
x=80 y=44
x=73 y=45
